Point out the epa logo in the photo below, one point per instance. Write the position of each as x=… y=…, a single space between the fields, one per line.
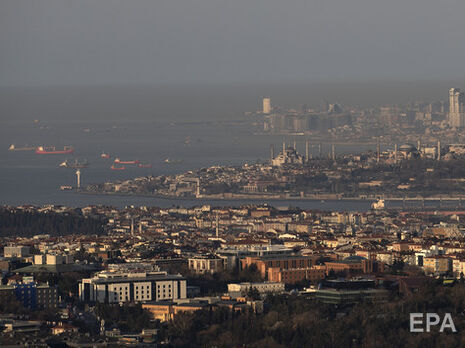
x=417 y=324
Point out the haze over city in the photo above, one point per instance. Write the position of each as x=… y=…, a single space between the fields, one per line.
x=114 y=42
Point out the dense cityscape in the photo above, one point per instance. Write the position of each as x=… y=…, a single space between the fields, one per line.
x=247 y=274
x=232 y=174
x=193 y=265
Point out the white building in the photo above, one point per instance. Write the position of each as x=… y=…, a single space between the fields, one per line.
x=266 y=107
x=53 y=259
x=262 y=287
x=109 y=287
x=288 y=155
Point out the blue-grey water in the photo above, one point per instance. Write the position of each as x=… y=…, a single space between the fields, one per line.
x=35 y=179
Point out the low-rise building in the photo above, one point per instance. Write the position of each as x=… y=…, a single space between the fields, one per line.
x=31 y=295
x=437 y=264
x=261 y=287
x=132 y=287
x=16 y=251
x=294 y=275
x=206 y=264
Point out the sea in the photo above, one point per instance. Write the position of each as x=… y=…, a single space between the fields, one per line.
x=191 y=127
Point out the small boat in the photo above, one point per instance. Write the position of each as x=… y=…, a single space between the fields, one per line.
x=117 y=160
x=172 y=161
x=113 y=167
x=104 y=155
x=65 y=187
x=141 y=165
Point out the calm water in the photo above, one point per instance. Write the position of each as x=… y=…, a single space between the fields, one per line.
x=30 y=178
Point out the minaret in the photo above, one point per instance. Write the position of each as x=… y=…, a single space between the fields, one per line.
x=439 y=150
x=217 y=225
x=395 y=153
x=333 y=154
x=78 y=176
x=306 y=151
x=132 y=226
x=377 y=152
x=295 y=145
x=140 y=228
x=284 y=147
x=197 y=193
x=319 y=150
x=271 y=152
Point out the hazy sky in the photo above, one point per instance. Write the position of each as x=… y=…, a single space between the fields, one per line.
x=61 y=42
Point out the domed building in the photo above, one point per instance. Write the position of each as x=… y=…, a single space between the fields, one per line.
x=289 y=155
x=408 y=151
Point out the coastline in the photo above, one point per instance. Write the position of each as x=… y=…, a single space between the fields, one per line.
x=243 y=197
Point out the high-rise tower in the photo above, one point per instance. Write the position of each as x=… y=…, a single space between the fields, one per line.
x=456 y=108
x=266 y=105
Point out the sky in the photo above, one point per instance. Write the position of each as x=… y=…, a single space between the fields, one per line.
x=156 y=42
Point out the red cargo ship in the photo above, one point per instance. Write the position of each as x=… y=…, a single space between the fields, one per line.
x=117 y=160
x=51 y=150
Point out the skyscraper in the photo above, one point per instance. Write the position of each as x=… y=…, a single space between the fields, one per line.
x=456 y=108
x=266 y=105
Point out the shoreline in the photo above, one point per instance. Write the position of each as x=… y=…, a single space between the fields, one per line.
x=277 y=198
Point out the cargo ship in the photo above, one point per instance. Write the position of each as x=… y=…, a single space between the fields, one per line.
x=52 y=150
x=74 y=165
x=104 y=155
x=113 y=167
x=24 y=148
x=117 y=160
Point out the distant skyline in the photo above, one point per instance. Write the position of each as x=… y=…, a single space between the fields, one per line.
x=119 y=42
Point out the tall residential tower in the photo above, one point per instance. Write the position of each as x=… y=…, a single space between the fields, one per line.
x=266 y=105
x=456 y=108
